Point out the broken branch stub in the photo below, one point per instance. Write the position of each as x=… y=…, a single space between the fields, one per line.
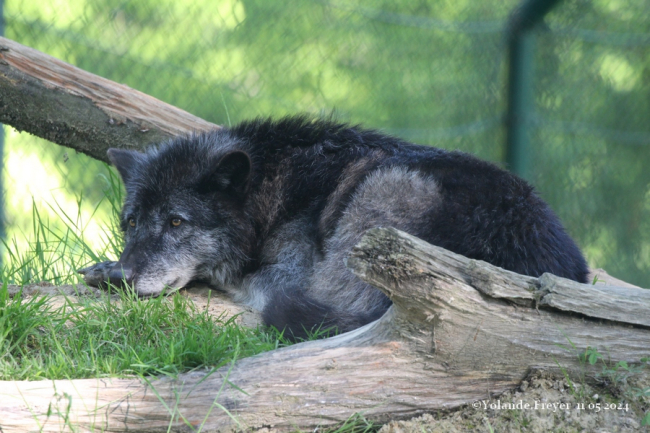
x=459 y=330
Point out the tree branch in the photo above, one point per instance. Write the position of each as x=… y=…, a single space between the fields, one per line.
x=69 y=106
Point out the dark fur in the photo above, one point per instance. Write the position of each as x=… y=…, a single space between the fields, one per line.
x=270 y=209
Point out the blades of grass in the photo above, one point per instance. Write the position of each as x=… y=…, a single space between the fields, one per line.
x=223 y=384
x=20 y=319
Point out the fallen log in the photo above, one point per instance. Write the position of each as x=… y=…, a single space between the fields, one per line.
x=459 y=330
x=72 y=107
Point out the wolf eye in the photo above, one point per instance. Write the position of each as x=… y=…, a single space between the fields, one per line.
x=131 y=222
x=176 y=222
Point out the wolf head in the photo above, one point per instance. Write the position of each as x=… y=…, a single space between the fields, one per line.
x=183 y=217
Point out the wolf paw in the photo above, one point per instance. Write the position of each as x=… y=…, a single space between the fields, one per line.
x=97 y=275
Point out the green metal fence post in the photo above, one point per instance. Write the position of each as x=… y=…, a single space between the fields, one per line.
x=521 y=45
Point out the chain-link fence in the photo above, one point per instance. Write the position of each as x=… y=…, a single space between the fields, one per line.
x=428 y=71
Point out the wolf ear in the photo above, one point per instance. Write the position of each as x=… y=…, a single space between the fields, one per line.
x=232 y=173
x=126 y=162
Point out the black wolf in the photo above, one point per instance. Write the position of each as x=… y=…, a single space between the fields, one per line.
x=268 y=211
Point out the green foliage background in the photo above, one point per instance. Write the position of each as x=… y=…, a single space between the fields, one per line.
x=430 y=71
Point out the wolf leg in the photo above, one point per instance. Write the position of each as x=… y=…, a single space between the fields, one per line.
x=278 y=288
x=97 y=275
x=291 y=310
x=389 y=197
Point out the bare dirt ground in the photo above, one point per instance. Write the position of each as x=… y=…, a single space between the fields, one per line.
x=544 y=402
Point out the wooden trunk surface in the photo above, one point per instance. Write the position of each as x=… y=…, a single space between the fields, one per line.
x=445 y=342
x=72 y=107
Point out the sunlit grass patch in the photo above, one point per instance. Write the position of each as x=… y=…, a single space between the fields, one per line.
x=128 y=336
x=52 y=252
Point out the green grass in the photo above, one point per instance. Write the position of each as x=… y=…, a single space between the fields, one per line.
x=52 y=254
x=131 y=336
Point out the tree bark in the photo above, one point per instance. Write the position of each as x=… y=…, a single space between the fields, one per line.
x=459 y=330
x=69 y=106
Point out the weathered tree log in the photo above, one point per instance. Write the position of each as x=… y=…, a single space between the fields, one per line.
x=69 y=106
x=459 y=330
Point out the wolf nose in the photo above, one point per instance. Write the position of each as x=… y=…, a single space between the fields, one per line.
x=121 y=273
